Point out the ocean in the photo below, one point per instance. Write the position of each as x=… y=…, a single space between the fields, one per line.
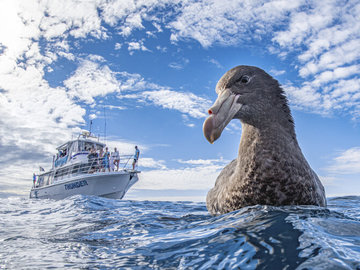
x=85 y=232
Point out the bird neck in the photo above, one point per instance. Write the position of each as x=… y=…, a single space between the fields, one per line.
x=267 y=140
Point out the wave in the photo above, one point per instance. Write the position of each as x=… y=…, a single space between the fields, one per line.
x=92 y=232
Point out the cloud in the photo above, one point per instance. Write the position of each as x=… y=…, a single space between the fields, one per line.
x=77 y=19
x=335 y=75
x=34 y=119
x=215 y=62
x=234 y=127
x=276 y=72
x=197 y=174
x=134 y=86
x=129 y=16
x=118 y=46
x=35 y=116
x=179 y=64
x=137 y=46
x=152 y=163
x=162 y=49
x=27 y=96
x=342 y=175
x=342 y=95
x=324 y=36
x=91 y=79
x=347 y=162
x=204 y=162
x=227 y=22
x=200 y=177
x=125 y=147
x=112 y=107
x=163 y=195
x=184 y=102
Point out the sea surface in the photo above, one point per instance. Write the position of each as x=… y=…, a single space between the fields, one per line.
x=85 y=232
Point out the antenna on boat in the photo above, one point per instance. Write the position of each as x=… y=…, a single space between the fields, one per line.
x=90 y=127
x=104 y=125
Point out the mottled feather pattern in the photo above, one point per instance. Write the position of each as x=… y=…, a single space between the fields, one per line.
x=270 y=168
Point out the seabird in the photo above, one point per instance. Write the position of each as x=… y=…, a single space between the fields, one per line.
x=270 y=168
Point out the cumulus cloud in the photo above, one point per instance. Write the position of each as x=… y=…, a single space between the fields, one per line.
x=326 y=35
x=34 y=119
x=204 y=162
x=75 y=18
x=197 y=174
x=180 y=64
x=227 y=22
x=129 y=16
x=276 y=72
x=152 y=163
x=215 y=62
x=185 y=102
x=136 y=46
x=93 y=79
x=347 y=162
x=35 y=116
x=112 y=107
x=200 y=177
x=90 y=80
x=341 y=94
x=118 y=46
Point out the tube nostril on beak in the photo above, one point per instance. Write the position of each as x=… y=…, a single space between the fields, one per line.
x=210 y=111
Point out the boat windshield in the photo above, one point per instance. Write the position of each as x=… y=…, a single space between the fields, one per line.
x=87 y=145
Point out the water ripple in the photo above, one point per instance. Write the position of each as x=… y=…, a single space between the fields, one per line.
x=91 y=232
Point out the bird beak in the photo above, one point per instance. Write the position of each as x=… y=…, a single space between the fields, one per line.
x=221 y=113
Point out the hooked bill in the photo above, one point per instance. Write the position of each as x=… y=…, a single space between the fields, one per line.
x=221 y=113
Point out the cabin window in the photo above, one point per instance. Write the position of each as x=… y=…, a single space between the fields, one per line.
x=80 y=146
x=88 y=146
x=98 y=147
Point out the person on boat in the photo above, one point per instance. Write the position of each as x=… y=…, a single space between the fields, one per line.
x=92 y=160
x=112 y=165
x=116 y=158
x=136 y=156
x=101 y=160
x=107 y=159
x=34 y=179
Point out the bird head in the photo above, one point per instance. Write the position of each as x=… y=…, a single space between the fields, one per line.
x=246 y=93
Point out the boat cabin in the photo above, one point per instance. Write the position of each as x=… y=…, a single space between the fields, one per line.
x=76 y=151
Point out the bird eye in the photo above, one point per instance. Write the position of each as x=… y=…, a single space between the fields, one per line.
x=244 y=79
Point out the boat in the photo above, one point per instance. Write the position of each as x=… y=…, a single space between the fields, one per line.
x=75 y=172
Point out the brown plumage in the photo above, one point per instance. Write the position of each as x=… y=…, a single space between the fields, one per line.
x=270 y=168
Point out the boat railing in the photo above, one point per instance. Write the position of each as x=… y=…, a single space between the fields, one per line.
x=95 y=165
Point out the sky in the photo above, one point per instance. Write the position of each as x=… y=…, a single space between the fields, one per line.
x=145 y=72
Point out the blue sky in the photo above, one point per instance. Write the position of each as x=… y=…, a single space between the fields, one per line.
x=152 y=67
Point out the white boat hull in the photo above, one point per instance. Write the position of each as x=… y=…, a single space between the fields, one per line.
x=110 y=185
